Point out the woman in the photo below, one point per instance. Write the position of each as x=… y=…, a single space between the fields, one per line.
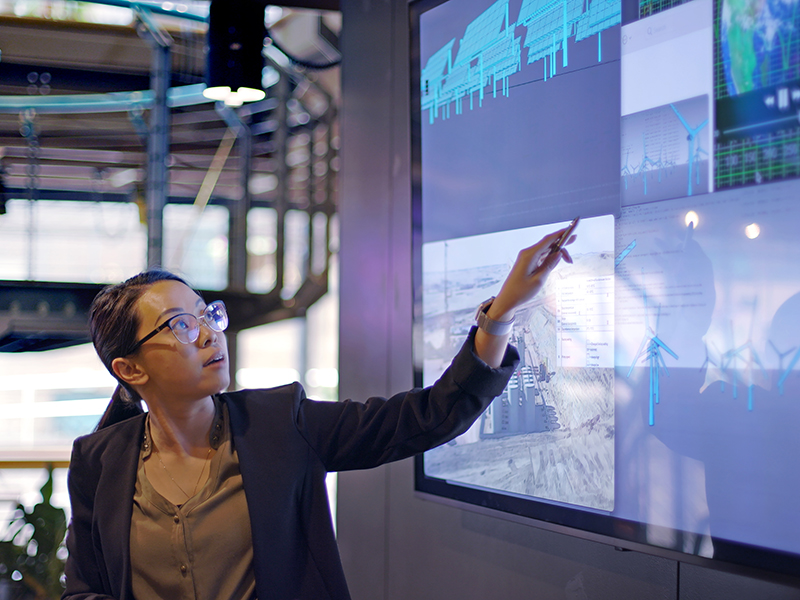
x=216 y=495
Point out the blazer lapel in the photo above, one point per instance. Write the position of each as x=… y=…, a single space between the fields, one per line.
x=114 y=504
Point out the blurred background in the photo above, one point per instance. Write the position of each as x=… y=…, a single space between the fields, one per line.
x=112 y=159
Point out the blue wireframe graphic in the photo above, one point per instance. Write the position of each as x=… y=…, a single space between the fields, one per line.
x=601 y=15
x=650 y=350
x=550 y=23
x=432 y=79
x=489 y=53
x=694 y=154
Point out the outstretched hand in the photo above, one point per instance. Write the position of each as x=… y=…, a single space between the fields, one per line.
x=524 y=281
x=528 y=275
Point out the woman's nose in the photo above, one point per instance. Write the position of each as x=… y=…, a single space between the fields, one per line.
x=211 y=337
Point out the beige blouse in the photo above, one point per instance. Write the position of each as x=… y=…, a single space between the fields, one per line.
x=201 y=550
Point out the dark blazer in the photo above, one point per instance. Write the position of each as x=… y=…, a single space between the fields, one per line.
x=286 y=445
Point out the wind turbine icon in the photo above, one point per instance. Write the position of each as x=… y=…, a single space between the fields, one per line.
x=788 y=370
x=781 y=356
x=626 y=170
x=650 y=349
x=749 y=356
x=708 y=361
x=650 y=164
x=694 y=156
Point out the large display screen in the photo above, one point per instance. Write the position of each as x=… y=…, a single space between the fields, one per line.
x=657 y=399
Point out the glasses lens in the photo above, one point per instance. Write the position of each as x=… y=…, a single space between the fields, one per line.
x=186 y=328
x=216 y=316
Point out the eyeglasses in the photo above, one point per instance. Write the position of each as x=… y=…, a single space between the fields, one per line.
x=186 y=327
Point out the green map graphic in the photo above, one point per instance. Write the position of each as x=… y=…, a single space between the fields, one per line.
x=759 y=43
x=757 y=91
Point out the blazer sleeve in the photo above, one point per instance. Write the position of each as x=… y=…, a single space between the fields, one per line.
x=352 y=435
x=82 y=570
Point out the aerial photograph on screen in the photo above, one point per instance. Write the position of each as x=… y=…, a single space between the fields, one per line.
x=550 y=434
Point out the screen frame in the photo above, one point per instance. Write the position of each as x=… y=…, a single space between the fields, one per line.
x=774 y=565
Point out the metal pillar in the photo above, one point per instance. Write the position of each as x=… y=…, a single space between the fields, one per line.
x=281 y=137
x=238 y=210
x=157 y=155
x=156 y=190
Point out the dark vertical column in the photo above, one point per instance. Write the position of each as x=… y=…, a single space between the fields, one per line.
x=157 y=155
x=366 y=290
x=233 y=357
x=281 y=136
x=237 y=234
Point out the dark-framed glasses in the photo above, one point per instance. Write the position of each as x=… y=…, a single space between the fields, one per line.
x=186 y=327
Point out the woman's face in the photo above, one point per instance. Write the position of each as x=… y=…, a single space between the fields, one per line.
x=175 y=370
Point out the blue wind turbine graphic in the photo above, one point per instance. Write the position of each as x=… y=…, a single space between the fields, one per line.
x=655 y=165
x=647 y=164
x=650 y=349
x=747 y=355
x=781 y=355
x=708 y=361
x=694 y=155
x=788 y=371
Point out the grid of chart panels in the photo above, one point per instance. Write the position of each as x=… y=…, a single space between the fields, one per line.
x=758 y=159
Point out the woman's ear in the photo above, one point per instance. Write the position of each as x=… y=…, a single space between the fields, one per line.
x=129 y=371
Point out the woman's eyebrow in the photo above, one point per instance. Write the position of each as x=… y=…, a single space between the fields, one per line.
x=176 y=310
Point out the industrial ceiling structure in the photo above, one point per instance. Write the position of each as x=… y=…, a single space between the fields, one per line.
x=114 y=113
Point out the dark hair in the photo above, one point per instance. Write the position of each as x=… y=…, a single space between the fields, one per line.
x=113 y=324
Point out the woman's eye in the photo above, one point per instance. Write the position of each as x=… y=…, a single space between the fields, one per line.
x=181 y=324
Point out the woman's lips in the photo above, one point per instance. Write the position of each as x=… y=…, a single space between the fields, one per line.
x=217 y=358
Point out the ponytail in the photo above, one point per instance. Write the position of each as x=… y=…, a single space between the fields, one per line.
x=124 y=404
x=113 y=323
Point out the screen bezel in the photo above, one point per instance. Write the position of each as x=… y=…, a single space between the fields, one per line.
x=581 y=523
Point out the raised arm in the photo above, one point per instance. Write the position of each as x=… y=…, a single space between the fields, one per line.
x=524 y=281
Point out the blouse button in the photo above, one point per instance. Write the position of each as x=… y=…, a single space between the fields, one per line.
x=183 y=569
x=176 y=518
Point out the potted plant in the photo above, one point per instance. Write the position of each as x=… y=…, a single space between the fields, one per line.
x=32 y=551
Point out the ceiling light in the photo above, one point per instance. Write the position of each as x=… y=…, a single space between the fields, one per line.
x=235 y=45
